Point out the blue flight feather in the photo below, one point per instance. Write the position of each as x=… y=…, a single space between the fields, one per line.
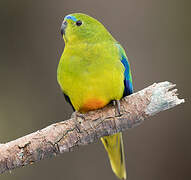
x=127 y=76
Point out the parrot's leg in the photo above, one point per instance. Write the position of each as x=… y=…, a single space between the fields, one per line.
x=116 y=103
x=77 y=115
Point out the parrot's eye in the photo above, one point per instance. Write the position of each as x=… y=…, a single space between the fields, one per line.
x=79 y=23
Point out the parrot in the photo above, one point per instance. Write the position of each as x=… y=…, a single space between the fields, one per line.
x=94 y=71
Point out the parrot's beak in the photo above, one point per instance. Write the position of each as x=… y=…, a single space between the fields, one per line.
x=63 y=27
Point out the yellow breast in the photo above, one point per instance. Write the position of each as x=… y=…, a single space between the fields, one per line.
x=91 y=76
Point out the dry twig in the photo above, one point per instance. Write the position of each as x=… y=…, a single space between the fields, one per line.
x=65 y=136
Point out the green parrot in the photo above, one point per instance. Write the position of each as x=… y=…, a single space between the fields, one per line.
x=93 y=71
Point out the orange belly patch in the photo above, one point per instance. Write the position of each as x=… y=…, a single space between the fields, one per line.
x=92 y=104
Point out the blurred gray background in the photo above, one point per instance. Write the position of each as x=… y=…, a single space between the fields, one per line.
x=157 y=35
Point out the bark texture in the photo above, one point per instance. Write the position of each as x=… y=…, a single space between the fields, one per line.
x=88 y=128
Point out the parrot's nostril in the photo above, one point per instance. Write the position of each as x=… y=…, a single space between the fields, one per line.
x=63 y=27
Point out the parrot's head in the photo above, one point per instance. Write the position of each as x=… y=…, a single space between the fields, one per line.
x=80 y=27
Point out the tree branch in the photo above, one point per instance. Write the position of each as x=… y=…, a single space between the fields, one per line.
x=66 y=135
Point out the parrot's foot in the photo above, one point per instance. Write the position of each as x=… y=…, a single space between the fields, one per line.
x=77 y=115
x=116 y=103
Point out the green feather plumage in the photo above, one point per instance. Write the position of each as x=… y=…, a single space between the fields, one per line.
x=90 y=70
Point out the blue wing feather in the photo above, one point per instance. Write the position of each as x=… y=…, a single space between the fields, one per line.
x=127 y=73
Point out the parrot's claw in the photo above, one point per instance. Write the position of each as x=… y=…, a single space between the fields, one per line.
x=77 y=115
x=116 y=103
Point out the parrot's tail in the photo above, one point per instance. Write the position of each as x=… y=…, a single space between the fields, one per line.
x=114 y=147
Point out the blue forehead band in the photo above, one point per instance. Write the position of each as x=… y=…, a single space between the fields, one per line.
x=71 y=17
